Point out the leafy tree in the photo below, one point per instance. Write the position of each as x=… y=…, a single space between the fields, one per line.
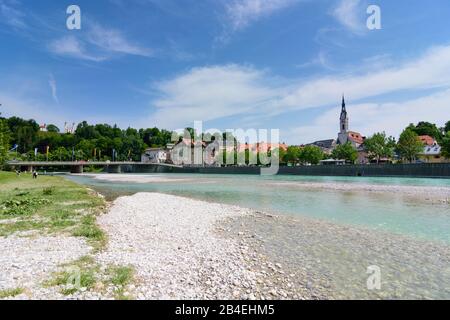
x=446 y=145
x=345 y=152
x=52 y=128
x=311 y=154
x=426 y=129
x=281 y=155
x=409 y=145
x=4 y=141
x=60 y=154
x=447 y=128
x=292 y=155
x=379 y=146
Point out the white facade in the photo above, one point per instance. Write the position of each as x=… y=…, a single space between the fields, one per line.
x=154 y=155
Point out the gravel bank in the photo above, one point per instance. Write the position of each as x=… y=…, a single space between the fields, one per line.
x=423 y=193
x=172 y=245
x=26 y=261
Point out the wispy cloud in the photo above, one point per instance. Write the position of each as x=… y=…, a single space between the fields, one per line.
x=221 y=91
x=11 y=15
x=70 y=46
x=239 y=14
x=52 y=84
x=243 y=12
x=99 y=44
x=112 y=40
x=350 y=13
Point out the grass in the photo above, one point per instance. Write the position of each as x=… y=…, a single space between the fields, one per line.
x=49 y=205
x=83 y=270
x=90 y=276
x=121 y=277
x=9 y=293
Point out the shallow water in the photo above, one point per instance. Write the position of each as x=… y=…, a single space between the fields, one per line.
x=392 y=212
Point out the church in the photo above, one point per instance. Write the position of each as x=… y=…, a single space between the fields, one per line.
x=345 y=135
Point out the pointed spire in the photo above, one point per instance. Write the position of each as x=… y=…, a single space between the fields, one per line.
x=343 y=102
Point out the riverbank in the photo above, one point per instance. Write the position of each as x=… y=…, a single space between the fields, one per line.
x=44 y=223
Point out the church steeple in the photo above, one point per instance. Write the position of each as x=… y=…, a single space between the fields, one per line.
x=344 y=117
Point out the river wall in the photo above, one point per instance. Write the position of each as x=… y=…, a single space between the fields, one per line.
x=423 y=170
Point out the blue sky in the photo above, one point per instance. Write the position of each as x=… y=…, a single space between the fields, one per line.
x=230 y=63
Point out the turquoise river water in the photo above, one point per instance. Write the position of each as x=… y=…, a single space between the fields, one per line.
x=392 y=212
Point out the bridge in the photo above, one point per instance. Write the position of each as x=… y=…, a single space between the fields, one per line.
x=78 y=166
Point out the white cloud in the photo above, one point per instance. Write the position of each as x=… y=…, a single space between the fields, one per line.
x=216 y=92
x=52 y=84
x=72 y=47
x=369 y=118
x=100 y=44
x=350 y=14
x=429 y=71
x=242 y=12
x=112 y=40
x=210 y=93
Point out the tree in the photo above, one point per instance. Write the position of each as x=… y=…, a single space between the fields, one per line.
x=446 y=145
x=379 y=146
x=52 y=128
x=281 y=155
x=311 y=154
x=60 y=154
x=292 y=155
x=426 y=129
x=409 y=145
x=447 y=128
x=4 y=141
x=345 y=152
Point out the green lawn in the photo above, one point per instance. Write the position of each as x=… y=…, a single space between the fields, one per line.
x=49 y=205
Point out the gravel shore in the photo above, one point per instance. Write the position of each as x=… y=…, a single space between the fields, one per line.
x=172 y=245
x=423 y=193
x=28 y=260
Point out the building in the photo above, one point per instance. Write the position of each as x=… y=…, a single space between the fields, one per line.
x=345 y=135
x=431 y=154
x=327 y=146
x=69 y=129
x=188 y=152
x=431 y=151
x=261 y=147
x=427 y=140
x=155 y=155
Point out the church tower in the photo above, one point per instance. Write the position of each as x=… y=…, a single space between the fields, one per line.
x=344 y=117
x=343 y=131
